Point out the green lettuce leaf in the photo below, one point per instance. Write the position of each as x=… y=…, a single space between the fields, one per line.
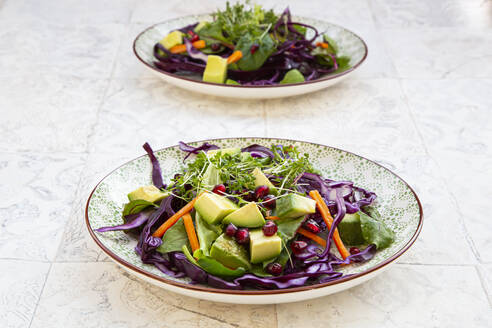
x=174 y=239
x=136 y=206
x=375 y=231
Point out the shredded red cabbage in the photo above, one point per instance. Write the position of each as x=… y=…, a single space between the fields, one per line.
x=132 y=221
x=195 y=150
x=156 y=167
x=258 y=151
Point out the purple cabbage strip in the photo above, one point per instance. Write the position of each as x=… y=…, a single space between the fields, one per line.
x=156 y=167
x=132 y=221
x=258 y=151
x=195 y=150
x=194 y=52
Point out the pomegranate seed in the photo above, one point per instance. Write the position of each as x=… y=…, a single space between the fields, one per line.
x=219 y=189
x=253 y=48
x=298 y=246
x=242 y=236
x=354 y=250
x=312 y=226
x=269 y=202
x=191 y=33
x=195 y=38
x=274 y=268
x=231 y=230
x=215 y=46
x=270 y=228
x=261 y=192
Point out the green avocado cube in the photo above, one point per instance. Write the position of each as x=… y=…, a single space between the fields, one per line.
x=213 y=208
x=172 y=39
x=149 y=193
x=292 y=76
x=263 y=248
x=215 y=70
x=248 y=216
x=262 y=180
x=350 y=230
x=294 y=206
x=228 y=252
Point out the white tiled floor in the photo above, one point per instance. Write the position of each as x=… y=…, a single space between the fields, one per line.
x=75 y=103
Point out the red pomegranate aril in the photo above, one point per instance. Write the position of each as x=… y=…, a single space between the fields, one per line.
x=191 y=33
x=312 y=226
x=195 y=38
x=298 y=246
x=219 y=189
x=269 y=228
x=274 y=268
x=242 y=236
x=253 y=48
x=261 y=192
x=231 y=230
x=354 y=250
x=269 y=202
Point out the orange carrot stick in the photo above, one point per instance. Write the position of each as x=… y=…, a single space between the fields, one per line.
x=180 y=48
x=236 y=55
x=200 y=44
x=190 y=231
x=325 y=213
x=177 y=49
x=173 y=219
x=312 y=236
x=272 y=218
x=323 y=45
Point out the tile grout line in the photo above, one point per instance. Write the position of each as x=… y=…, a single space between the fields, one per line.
x=452 y=197
x=40 y=295
x=484 y=285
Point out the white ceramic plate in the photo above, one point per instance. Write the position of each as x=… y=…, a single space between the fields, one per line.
x=349 y=44
x=397 y=202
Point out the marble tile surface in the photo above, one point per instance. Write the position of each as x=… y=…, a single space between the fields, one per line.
x=106 y=297
x=20 y=288
x=75 y=103
x=37 y=193
x=436 y=13
x=438 y=53
x=405 y=296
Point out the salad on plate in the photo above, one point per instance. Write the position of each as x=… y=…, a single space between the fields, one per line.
x=254 y=217
x=248 y=45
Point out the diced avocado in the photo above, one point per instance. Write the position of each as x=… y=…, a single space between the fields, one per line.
x=211 y=177
x=262 y=180
x=172 y=39
x=213 y=208
x=292 y=76
x=199 y=26
x=223 y=151
x=294 y=206
x=248 y=216
x=232 y=82
x=263 y=248
x=228 y=252
x=350 y=230
x=216 y=69
x=149 y=193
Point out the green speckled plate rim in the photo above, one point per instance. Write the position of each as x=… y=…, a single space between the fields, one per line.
x=199 y=288
x=328 y=77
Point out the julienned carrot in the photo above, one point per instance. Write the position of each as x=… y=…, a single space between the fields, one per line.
x=180 y=48
x=190 y=231
x=312 y=236
x=177 y=49
x=173 y=219
x=323 y=45
x=200 y=44
x=325 y=213
x=234 y=57
x=272 y=218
